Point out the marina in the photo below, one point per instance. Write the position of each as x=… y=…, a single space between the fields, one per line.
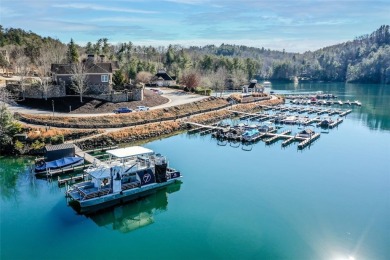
x=287 y=114
x=239 y=201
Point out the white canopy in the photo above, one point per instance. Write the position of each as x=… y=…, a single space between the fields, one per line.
x=129 y=151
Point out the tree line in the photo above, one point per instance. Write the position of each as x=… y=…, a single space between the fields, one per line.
x=364 y=59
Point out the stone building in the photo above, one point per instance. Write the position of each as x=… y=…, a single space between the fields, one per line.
x=98 y=75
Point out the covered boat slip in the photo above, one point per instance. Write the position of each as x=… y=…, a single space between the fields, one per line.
x=60 y=163
x=125 y=165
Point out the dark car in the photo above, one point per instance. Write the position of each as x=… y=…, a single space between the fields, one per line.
x=122 y=110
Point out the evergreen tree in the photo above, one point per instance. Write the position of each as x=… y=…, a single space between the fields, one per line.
x=117 y=78
x=89 y=48
x=8 y=126
x=72 y=54
x=170 y=56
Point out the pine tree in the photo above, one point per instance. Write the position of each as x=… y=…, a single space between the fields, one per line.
x=72 y=54
x=118 y=78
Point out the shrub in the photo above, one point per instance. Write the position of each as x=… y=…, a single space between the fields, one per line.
x=203 y=91
x=37 y=145
x=19 y=146
x=57 y=139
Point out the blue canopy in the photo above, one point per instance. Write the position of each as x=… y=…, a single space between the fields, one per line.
x=250 y=133
x=58 y=164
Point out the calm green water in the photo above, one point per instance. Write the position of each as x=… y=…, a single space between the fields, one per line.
x=331 y=201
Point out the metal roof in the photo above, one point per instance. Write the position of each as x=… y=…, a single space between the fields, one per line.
x=129 y=151
x=59 y=147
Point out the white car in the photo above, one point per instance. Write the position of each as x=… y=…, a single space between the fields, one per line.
x=142 y=108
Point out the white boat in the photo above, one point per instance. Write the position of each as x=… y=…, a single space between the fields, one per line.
x=296 y=80
x=250 y=135
x=266 y=84
x=129 y=173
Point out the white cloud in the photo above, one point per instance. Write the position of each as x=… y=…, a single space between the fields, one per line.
x=188 y=2
x=116 y=19
x=8 y=12
x=104 y=8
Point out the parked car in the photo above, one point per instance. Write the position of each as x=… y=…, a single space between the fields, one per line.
x=142 y=108
x=122 y=110
x=157 y=91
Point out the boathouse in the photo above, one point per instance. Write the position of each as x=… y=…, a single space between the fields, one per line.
x=54 y=152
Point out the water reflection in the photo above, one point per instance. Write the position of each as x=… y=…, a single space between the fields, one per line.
x=137 y=214
x=10 y=171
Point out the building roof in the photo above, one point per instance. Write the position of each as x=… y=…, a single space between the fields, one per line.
x=307 y=131
x=56 y=147
x=162 y=74
x=97 y=67
x=252 y=85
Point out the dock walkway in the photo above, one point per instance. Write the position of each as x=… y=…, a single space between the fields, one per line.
x=89 y=158
x=203 y=126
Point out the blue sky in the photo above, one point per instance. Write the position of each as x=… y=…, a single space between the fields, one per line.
x=293 y=25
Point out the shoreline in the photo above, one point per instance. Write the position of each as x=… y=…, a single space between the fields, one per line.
x=151 y=130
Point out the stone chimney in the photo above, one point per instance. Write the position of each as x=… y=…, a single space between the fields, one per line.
x=102 y=57
x=91 y=58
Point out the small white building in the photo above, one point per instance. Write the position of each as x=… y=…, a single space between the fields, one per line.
x=252 y=87
x=162 y=79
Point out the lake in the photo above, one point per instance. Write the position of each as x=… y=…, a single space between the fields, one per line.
x=328 y=201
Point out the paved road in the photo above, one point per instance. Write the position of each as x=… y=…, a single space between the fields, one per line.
x=176 y=97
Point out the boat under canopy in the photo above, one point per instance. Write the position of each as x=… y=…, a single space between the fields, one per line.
x=59 y=164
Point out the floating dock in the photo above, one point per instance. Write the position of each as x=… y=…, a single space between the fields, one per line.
x=275 y=136
x=71 y=179
x=336 y=123
x=308 y=141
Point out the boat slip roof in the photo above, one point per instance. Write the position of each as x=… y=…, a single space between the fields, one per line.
x=129 y=151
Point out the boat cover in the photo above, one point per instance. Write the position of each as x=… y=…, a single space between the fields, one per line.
x=251 y=133
x=58 y=164
x=129 y=151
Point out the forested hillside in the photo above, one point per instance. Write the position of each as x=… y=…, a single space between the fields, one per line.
x=364 y=59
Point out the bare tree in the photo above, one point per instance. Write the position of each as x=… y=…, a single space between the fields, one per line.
x=218 y=80
x=239 y=78
x=44 y=62
x=191 y=80
x=5 y=96
x=79 y=79
x=143 y=77
x=56 y=51
x=22 y=64
x=206 y=82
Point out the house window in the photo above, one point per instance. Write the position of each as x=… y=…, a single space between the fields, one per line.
x=104 y=78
